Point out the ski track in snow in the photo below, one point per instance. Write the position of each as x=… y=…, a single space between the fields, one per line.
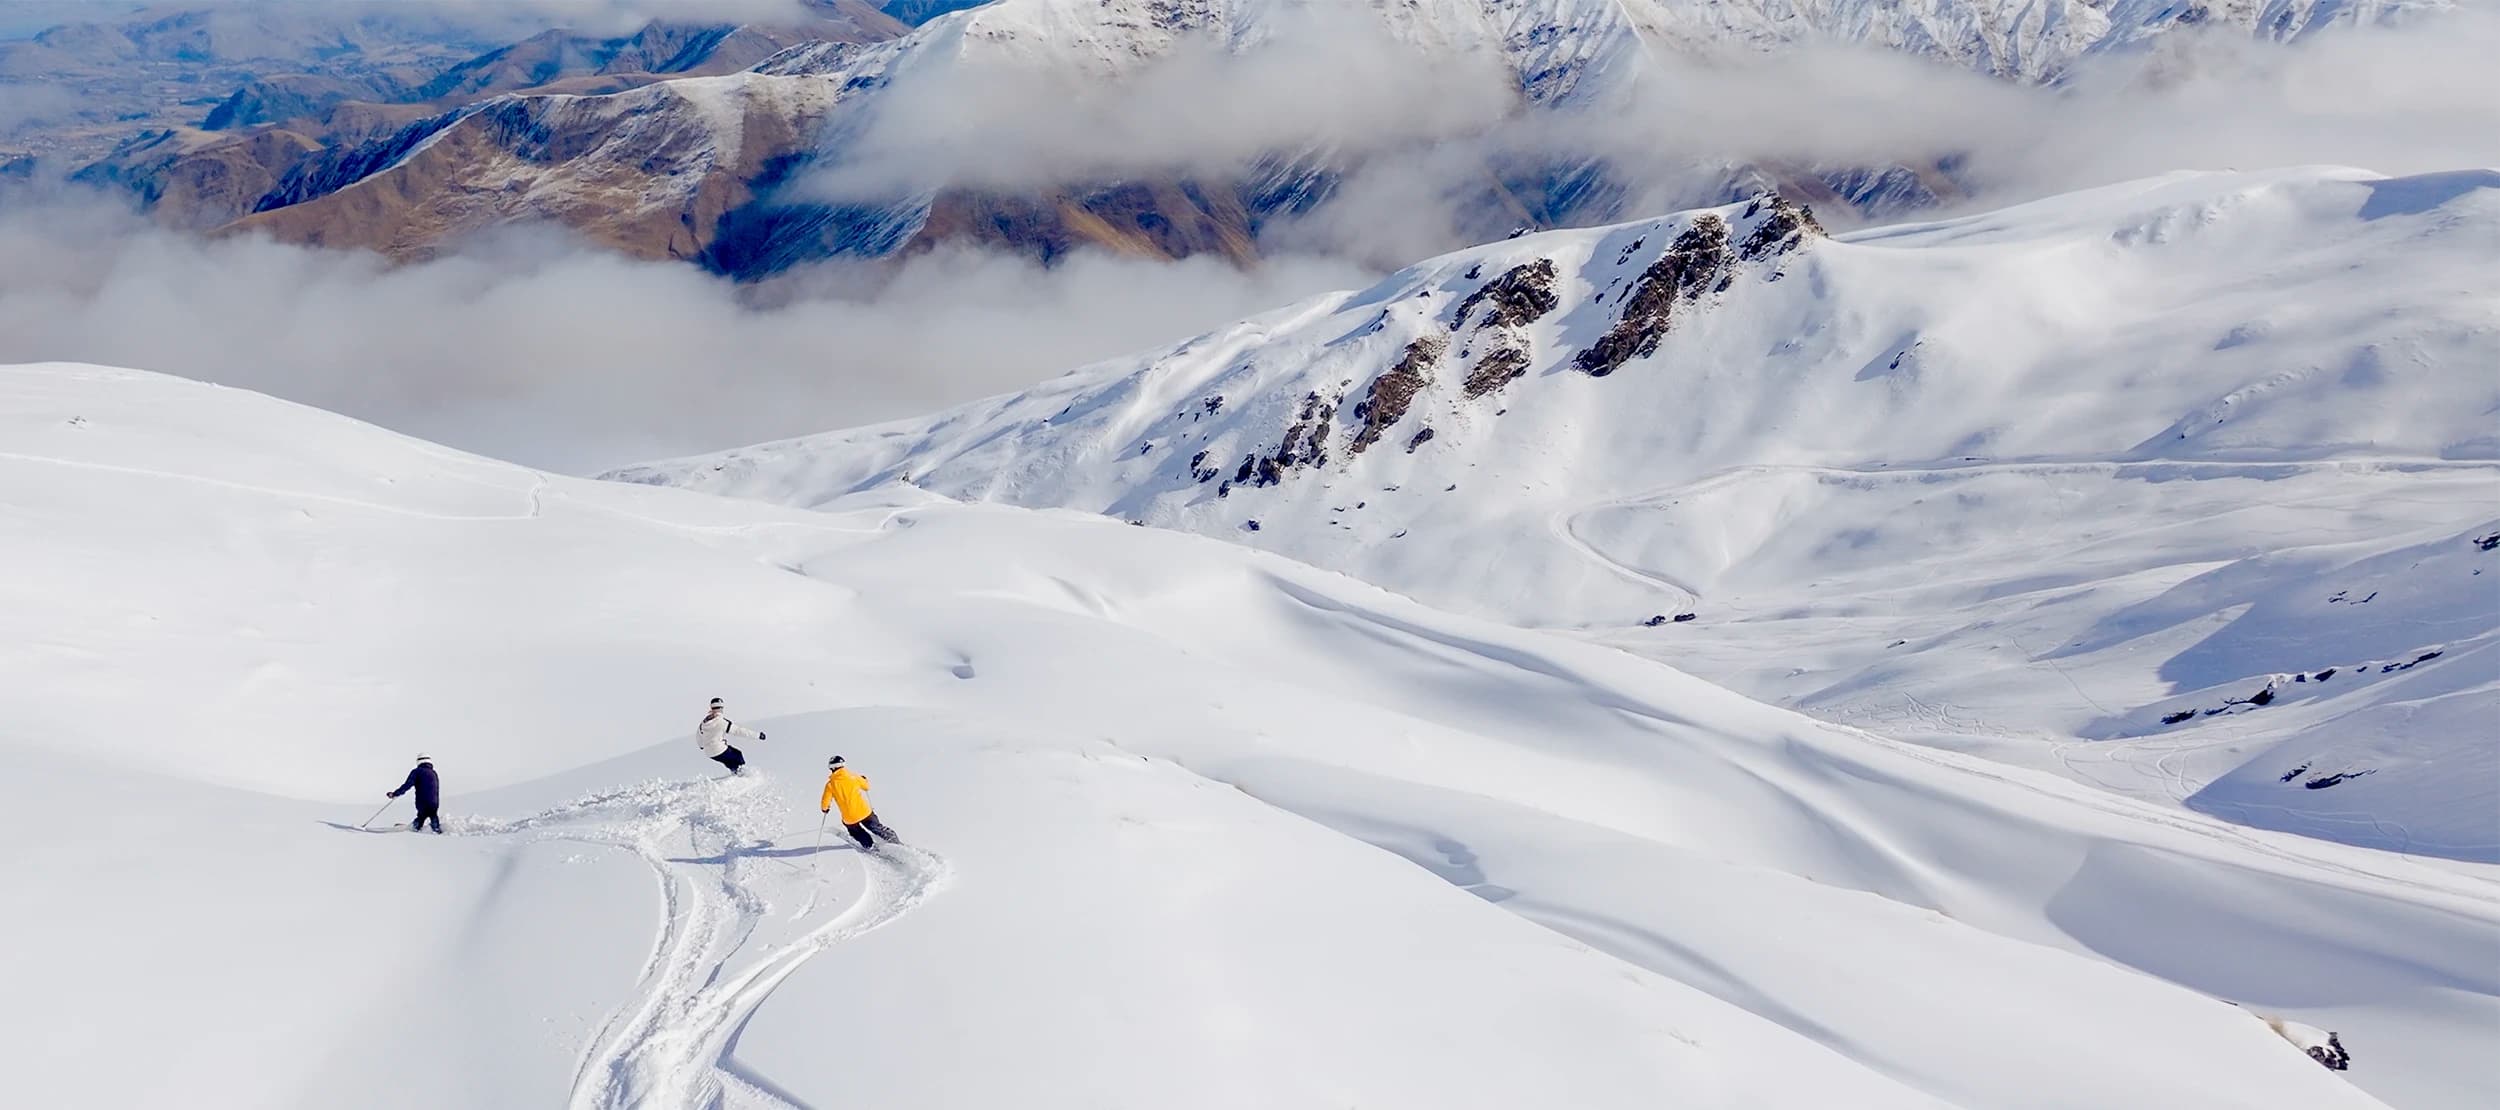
x=670 y=1046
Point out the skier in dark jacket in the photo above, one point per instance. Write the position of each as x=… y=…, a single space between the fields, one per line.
x=429 y=788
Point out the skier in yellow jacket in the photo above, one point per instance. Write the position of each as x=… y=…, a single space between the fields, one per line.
x=849 y=790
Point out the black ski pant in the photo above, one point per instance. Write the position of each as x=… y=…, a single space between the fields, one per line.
x=426 y=813
x=731 y=758
x=860 y=829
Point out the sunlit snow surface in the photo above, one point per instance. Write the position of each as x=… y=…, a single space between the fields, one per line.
x=1190 y=825
x=2187 y=489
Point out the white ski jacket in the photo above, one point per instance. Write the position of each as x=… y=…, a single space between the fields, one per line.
x=712 y=736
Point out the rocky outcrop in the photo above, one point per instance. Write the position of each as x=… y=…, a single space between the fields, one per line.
x=1783 y=227
x=1394 y=391
x=1521 y=296
x=1690 y=268
x=1701 y=261
x=1499 y=367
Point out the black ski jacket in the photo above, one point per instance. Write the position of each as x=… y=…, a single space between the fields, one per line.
x=426 y=783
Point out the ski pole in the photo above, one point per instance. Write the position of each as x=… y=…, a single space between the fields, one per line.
x=820 y=838
x=376 y=813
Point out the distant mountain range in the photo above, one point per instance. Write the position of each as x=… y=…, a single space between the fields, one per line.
x=701 y=141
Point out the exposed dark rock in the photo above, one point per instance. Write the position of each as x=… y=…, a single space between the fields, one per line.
x=2294 y=773
x=1252 y=525
x=1692 y=265
x=2331 y=1054
x=1420 y=438
x=2175 y=718
x=1392 y=392
x=1784 y=227
x=2416 y=661
x=1521 y=296
x=1501 y=366
x=2325 y=674
x=1682 y=617
x=2325 y=781
x=2489 y=542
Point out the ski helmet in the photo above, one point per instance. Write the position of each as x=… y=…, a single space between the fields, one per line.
x=834 y=762
x=424 y=758
x=719 y=704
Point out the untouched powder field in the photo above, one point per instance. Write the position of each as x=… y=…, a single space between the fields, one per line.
x=1188 y=824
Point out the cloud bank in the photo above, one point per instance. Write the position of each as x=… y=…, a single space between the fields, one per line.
x=1428 y=136
x=534 y=348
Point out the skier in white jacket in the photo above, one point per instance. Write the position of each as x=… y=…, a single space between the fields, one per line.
x=713 y=734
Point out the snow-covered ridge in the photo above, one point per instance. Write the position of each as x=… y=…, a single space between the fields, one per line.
x=1227 y=809
x=2019 y=480
x=1553 y=43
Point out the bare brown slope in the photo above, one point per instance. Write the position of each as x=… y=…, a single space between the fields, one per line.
x=1153 y=219
x=195 y=180
x=648 y=173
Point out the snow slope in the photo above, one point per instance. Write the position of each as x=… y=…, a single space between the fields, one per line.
x=2105 y=485
x=1193 y=825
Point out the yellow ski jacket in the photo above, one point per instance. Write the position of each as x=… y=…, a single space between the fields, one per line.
x=850 y=792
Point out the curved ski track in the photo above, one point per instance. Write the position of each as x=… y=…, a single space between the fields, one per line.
x=669 y=1046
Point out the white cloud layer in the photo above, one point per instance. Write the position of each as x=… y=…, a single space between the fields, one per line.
x=533 y=348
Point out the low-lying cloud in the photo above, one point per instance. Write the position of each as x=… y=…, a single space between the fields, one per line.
x=1322 y=79
x=1425 y=136
x=531 y=347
